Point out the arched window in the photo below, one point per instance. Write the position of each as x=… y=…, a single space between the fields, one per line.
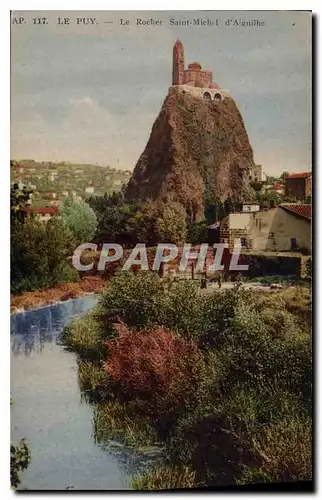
x=207 y=96
x=217 y=97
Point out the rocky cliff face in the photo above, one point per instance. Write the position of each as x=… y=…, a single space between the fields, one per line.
x=195 y=144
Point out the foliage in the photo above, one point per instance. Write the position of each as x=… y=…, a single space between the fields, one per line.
x=286 y=452
x=222 y=379
x=197 y=232
x=19 y=460
x=136 y=299
x=283 y=175
x=165 y=478
x=171 y=223
x=130 y=223
x=80 y=219
x=84 y=336
x=185 y=309
x=269 y=199
x=140 y=301
x=19 y=200
x=38 y=254
x=158 y=364
x=121 y=422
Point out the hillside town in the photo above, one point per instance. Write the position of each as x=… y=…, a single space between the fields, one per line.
x=51 y=182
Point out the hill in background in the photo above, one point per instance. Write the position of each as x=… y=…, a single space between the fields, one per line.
x=51 y=182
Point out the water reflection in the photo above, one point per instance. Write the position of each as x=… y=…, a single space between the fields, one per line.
x=31 y=330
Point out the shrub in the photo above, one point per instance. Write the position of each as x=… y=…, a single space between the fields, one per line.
x=159 y=369
x=285 y=450
x=165 y=478
x=184 y=309
x=121 y=422
x=137 y=299
x=92 y=379
x=251 y=354
x=84 y=336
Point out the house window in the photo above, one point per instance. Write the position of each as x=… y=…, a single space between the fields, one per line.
x=271 y=235
x=207 y=95
x=217 y=96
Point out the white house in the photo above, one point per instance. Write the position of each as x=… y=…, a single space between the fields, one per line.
x=251 y=206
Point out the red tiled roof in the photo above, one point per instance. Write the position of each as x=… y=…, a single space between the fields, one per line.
x=44 y=210
x=299 y=176
x=298 y=209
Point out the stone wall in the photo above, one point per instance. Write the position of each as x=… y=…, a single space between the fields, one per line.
x=216 y=93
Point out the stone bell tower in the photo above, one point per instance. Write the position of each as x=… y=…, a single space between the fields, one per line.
x=178 y=64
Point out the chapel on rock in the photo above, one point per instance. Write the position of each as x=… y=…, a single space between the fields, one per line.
x=193 y=79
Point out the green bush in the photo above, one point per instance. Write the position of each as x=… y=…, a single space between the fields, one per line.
x=285 y=450
x=135 y=298
x=165 y=478
x=39 y=255
x=84 y=336
x=120 y=422
x=19 y=460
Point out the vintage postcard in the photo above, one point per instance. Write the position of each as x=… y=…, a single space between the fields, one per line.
x=161 y=190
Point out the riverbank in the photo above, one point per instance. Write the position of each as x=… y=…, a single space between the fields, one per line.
x=58 y=293
x=49 y=412
x=228 y=370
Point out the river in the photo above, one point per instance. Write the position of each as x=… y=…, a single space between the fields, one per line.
x=48 y=411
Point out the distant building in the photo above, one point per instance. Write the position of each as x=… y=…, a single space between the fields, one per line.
x=251 y=206
x=53 y=176
x=65 y=193
x=286 y=227
x=298 y=186
x=279 y=188
x=257 y=174
x=49 y=195
x=19 y=169
x=43 y=214
x=89 y=189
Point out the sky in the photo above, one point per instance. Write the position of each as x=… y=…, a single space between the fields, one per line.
x=91 y=93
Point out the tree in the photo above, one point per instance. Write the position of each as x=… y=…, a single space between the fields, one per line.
x=80 y=219
x=283 y=175
x=270 y=199
x=38 y=254
x=19 y=200
x=171 y=223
